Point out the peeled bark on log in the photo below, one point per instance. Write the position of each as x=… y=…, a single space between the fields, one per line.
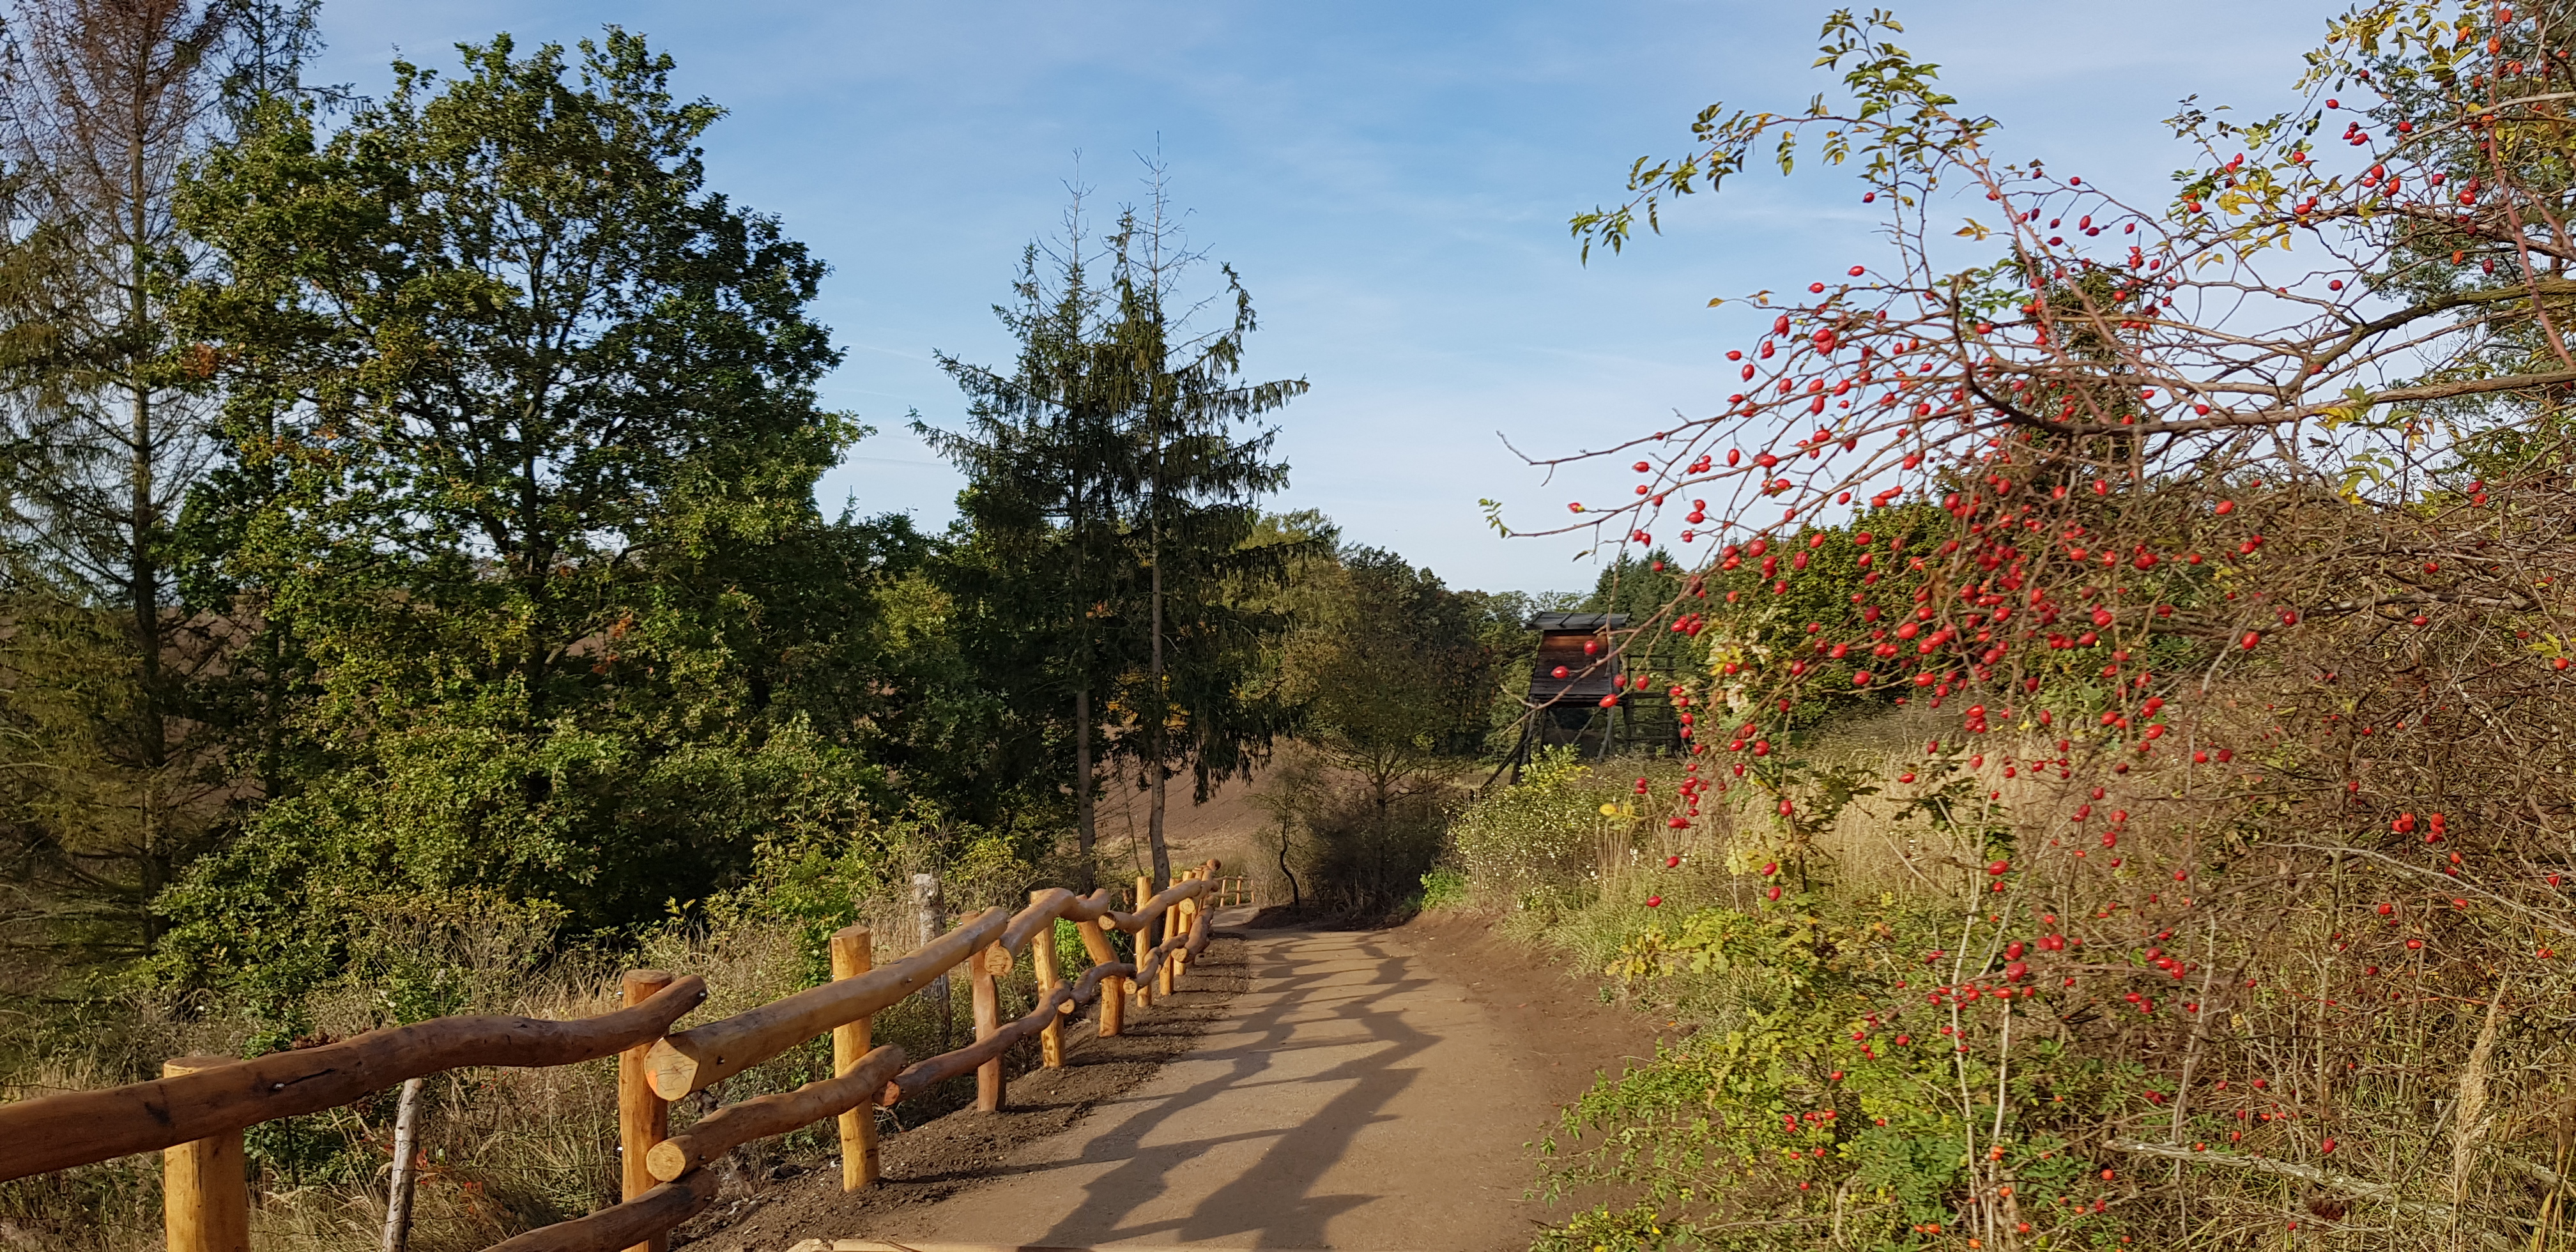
x=854 y=954
x=947 y=1065
x=1048 y=905
x=644 y=1217
x=703 y=1055
x=398 y=1188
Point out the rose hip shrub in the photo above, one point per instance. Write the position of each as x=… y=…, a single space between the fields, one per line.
x=2227 y=540
x=1541 y=843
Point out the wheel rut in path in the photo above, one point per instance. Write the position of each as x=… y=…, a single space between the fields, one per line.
x=1352 y=1098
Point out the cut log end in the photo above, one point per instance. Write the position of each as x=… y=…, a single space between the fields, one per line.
x=669 y=1160
x=674 y=1073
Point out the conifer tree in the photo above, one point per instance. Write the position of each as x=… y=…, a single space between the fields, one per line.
x=1051 y=465
x=1207 y=460
x=117 y=779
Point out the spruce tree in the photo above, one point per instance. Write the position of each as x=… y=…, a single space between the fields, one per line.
x=1038 y=570
x=1208 y=459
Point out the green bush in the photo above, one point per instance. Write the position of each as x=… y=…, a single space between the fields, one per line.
x=1543 y=836
x=1849 y=1078
x=1443 y=888
x=1071 y=958
x=1824 y=1100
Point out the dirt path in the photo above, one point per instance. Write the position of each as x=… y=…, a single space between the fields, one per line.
x=1356 y=1099
x=1370 y=1090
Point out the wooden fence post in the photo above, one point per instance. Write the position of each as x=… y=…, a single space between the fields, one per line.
x=934 y=923
x=1144 y=941
x=853 y=954
x=1163 y=976
x=398 y=1188
x=1197 y=906
x=986 y=966
x=205 y=1186
x=1042 y=955
x=643 y=1117
x=1182 y=913
x=1113 y=991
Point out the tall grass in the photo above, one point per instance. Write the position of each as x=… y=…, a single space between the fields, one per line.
x=501 y=1150
x=2285 y=1062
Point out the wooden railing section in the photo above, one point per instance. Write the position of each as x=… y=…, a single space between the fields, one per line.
x=196 y=1112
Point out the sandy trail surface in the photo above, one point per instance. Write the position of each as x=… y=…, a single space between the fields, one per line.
x=1369 y=1090
x=1354 y=1098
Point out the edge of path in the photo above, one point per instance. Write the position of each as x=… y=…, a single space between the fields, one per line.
x=1550 y=1014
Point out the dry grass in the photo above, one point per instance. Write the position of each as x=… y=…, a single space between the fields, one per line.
x=502 y=1150
x=2439 y=1072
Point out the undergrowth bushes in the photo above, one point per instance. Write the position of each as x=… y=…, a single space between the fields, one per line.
x=1351 y=852
x=1952 y=1009
x=506 y=1150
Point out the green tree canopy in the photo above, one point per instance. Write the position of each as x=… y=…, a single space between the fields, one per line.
x=1392 y=670
x=524 y=440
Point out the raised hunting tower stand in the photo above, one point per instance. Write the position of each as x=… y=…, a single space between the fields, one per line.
x=1578 y=665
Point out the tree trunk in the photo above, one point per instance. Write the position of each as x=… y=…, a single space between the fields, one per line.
x=1384 y=802
x=1158 y=739
x=1085 y=817
x=1086 y=827
x=1296 y=895
x=142 y=529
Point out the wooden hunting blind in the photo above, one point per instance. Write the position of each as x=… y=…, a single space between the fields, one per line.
x=1576 y=663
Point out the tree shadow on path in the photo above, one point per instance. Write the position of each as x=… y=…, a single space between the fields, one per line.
x=1304 y=980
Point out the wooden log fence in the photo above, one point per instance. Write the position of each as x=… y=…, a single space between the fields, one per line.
x=196 y=1112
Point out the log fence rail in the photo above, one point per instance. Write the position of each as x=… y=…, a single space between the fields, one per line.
x=196 y=1112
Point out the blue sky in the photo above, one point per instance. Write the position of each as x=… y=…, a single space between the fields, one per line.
x=1391 y=179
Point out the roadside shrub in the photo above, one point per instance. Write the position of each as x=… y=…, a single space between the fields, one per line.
x=1443 y=888
x=2146 y=1022
x=1544 y=839
x=1821 y=1102
x=1354 y=852
x=2244 y=838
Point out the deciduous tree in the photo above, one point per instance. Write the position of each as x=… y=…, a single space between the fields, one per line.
x=2235 y=604
x=523 y=439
